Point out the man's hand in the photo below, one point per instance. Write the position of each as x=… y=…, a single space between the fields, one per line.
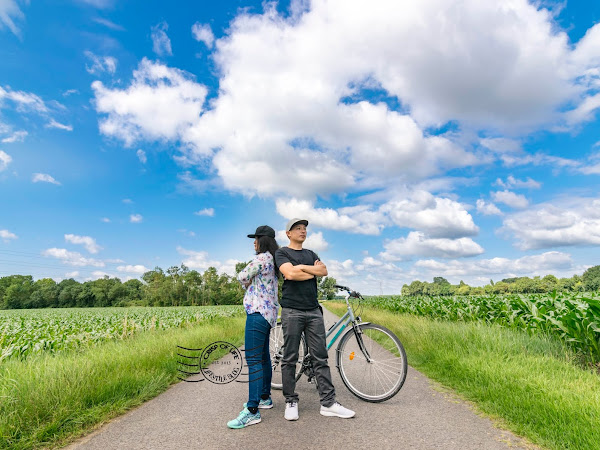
x=318 y=270
x=295 y=273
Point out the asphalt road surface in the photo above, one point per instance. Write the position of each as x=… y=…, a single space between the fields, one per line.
x=194 y=415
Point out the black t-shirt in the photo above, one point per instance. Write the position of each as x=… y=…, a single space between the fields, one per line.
x=298 y=294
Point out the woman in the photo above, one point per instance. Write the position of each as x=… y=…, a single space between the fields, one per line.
x=259 y=278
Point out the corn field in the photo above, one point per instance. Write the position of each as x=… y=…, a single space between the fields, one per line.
x=27 y=332
x=572 y=317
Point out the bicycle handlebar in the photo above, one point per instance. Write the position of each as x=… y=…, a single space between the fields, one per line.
x=350 y=291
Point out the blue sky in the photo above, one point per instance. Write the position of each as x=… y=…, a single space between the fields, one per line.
x=445 y=138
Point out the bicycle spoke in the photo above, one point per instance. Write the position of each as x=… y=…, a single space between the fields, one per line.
x=382 y=375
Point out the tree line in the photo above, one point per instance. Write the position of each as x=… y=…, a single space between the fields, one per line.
x=177 y=286
x=589 y=281
x=180 y=286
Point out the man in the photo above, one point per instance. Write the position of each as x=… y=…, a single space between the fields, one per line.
x=301 y=313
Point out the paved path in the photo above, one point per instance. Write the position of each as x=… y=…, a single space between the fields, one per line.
x=194 y=416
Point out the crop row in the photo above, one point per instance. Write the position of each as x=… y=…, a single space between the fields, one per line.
x=573 y=317
x=27 y=332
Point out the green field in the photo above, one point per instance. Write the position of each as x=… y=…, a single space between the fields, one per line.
x=24 y=332
x=530 y=384
x=528 y=361
x=574 y=318
x=69 y=370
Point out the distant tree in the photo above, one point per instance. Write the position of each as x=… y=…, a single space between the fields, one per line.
x=134 y=291
x=193 y=287
x=413 y=289
x=500 y=287
x=591 y=278
x=326 y=289
x=45 y=294
x=240 y=266
x=549 y=283
x=510 y=280
x=85 y=297
x=18 y=293
x=101 y=289
x=210 y=286
x=463 y=288
x=524 y=285
x=68 y=291
x=441 y=286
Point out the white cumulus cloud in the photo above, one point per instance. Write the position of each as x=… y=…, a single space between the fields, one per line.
x=488 y=209
x=161 y=44
x=210 y=212
x=512 y=182
x=418 y=244
x=54 y=124
x=137 y=269
x=203 y=33
x=9 y=13
x=5 y=160
x=566 y=222
x=100 y=64
x=511 y=199
x=439 y=217
x=137 y=112
x=88 y=242
x=71 y=258
x=141 y=154
x=199 y=260
x=541 y=264
x=17 y=136
x=7 y=236
x=44 y=178
x=135 y=218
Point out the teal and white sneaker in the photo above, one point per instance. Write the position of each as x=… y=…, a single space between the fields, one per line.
x=263 y=404
x=245 y=419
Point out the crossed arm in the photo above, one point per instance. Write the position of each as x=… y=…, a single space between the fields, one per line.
x=303 y=272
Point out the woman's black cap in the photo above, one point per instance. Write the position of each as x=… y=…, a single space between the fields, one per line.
x=263 y=230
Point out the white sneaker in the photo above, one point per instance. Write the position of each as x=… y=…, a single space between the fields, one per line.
x=337 y=410
x=291 y=411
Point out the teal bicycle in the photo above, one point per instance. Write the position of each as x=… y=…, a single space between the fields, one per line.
x=370 y=358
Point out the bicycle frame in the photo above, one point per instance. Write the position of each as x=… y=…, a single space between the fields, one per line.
x=343 y=323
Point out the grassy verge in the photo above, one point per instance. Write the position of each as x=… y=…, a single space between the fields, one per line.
x=49 y=400
x=529 y=384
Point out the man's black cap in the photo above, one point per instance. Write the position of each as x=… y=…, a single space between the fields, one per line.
x=263 y=230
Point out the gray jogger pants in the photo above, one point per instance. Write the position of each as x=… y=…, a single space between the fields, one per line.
x=294 y=322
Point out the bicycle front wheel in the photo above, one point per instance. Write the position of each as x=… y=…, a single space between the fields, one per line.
x=276 y=352
x=372 y=362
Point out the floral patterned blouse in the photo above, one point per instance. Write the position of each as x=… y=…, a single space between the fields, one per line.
x=261 y=293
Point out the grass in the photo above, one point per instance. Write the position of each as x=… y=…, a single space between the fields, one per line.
x=531 y=385
x=46 y=400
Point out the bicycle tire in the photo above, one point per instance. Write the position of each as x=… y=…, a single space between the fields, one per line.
x=276 y=352
x=382 y=377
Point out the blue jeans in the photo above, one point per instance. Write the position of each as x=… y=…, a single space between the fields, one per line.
x=258 y=358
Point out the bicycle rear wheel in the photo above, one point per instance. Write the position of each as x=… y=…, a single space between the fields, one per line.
x=372 y=362
x=276 y=351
